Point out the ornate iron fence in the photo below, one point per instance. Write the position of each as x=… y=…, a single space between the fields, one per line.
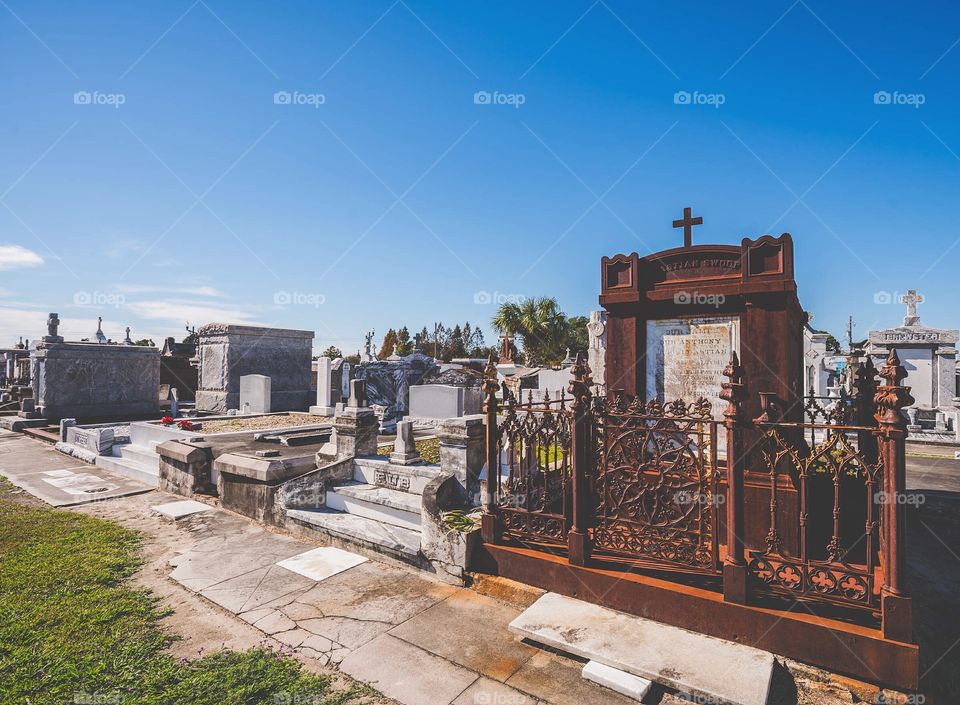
x=626 y=479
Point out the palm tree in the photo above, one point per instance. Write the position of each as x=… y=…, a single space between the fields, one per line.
x=539 y=323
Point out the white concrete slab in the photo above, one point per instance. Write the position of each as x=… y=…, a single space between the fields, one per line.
x=692 y=663
x=179 y=510
x=62 y=488
x=73 y=480
x=321 y=563
x=616 y=680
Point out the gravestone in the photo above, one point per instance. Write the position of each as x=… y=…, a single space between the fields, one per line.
x=325 y=400
x=673 y=316
x=673 y=319
x=227 y=352
x=255 y=394
x=928 y=354
x=388 y=382
x=597 y=349
x=405 y=447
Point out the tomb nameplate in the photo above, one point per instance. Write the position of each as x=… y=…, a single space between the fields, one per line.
x=686 y=357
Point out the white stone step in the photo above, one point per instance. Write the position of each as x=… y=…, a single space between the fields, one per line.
x=406 y=478
x=701 y=666
x=137 y=454
x=131 y=469
x=367 y=533
x=616 y=680
x=379 y=503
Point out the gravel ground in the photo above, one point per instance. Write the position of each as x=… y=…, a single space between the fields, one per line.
x=257 y=423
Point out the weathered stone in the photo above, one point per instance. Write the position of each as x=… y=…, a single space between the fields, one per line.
x=324 y=405
x=228 y=352
x=96 y=440
x=255 y=394
x=77 y=380
x=692 y=663
x=405 y=447
x=397 y=668
x=616 y=680
x=321 y=563
x=482 y=648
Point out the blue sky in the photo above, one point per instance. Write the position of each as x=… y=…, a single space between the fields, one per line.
x=152 y=175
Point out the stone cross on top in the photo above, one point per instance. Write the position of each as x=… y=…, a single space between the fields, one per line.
x=911 y=300
x=687 y=223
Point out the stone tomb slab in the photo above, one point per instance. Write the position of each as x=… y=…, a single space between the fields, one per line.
x=320 y=563
x=179 y=510
x=694 y=664
x=49 y=476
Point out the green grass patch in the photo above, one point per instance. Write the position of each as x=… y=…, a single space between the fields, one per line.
x=72 y=630
x=428 y=448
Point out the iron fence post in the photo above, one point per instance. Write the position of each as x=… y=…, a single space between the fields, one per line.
x=579 y=388
x=488 y=520
x=734 y=392
x=896 y=607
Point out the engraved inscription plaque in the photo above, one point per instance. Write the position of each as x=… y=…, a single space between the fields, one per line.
x=686 y=357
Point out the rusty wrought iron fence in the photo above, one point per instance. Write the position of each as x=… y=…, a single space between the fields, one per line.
x=617 y=477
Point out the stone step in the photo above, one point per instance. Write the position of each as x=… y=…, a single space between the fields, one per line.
x=701 y=666
x=369 y=534
x=379 y=503
x=406 y=478
x=131 y=469
x=137 y=454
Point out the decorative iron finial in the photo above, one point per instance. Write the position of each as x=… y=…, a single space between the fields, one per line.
x=734 y=391
x=579 y=386
x=490 y=384
x=891 y=397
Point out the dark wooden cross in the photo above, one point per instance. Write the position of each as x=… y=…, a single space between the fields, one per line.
x=687 y=223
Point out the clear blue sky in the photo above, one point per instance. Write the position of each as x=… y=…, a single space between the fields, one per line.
x=201 y=198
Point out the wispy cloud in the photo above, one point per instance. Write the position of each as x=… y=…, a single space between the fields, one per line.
x=208 y=291
x=181 y=310
x=17 y=257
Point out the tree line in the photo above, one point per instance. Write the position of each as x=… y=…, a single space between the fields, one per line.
x=543 y=336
